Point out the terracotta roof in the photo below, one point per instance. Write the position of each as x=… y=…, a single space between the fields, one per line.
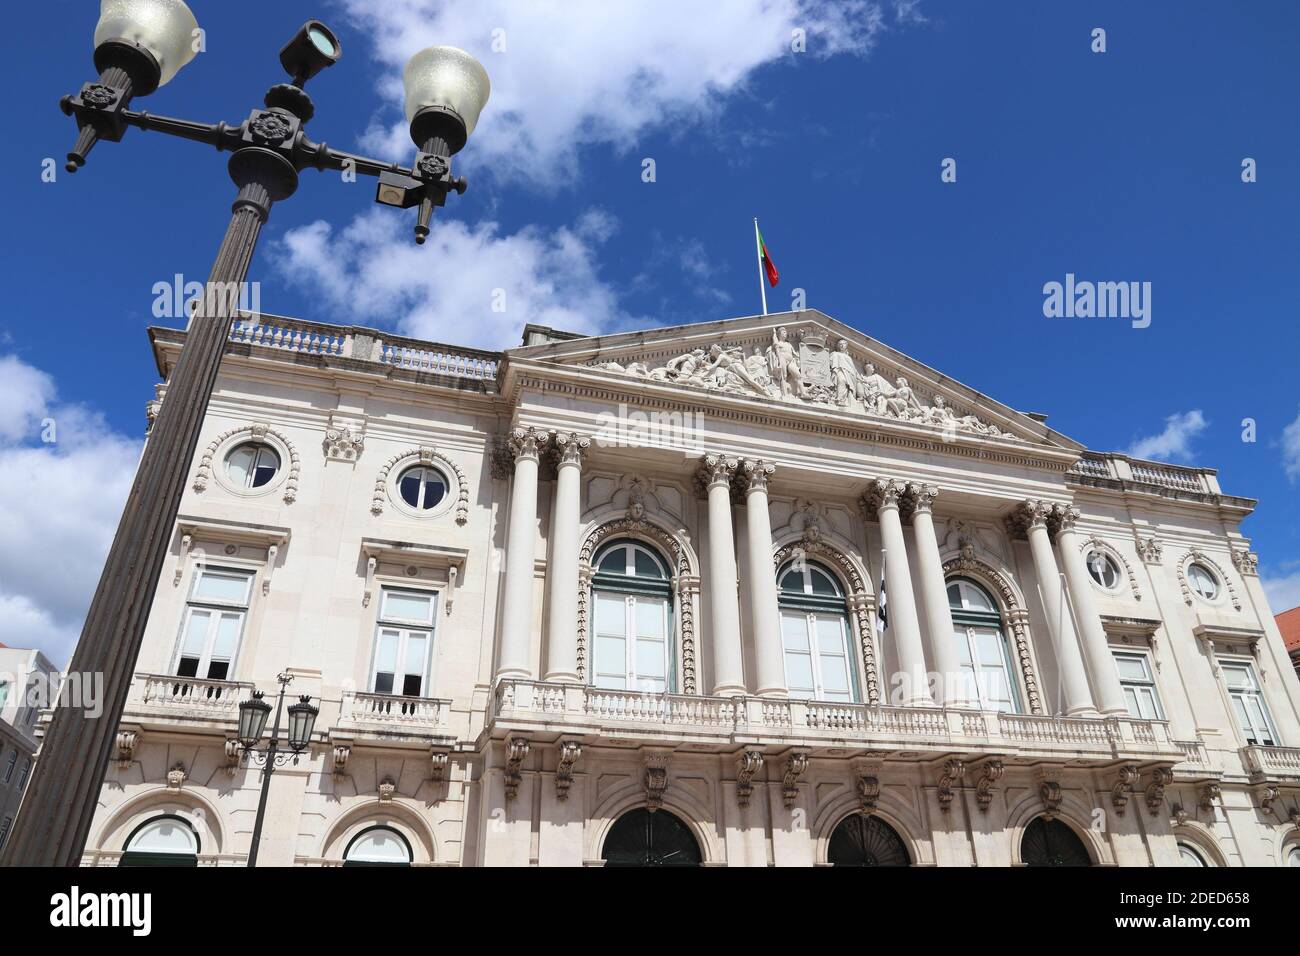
x=1288 y=622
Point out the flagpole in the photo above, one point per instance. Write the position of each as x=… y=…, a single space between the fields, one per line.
x=758 y=248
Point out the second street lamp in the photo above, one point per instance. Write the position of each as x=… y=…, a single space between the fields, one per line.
x=140 y=45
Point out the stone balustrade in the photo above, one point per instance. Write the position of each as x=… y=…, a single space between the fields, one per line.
x=411 y=716
x=1272 y=763
x=524 y=705
x=187 y=697
x=1117 y=467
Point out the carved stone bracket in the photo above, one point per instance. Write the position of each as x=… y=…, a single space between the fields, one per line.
x=751 y=761
x=796 y=765
x=1149 y=549
x=387 y=790
x=948 y=779
x=439 y=761
x=1246 y=562
x=344 y=441
x=516 y=751
x=176 y=776
x=1268 y=794
x=234 y=753
x=1049 y=790
x=341 y=753
x=125 y=744
x=1125 y=779
x=991 y=772
x=656 y=779
x=1210 y=793
x=866 y=780
x=570 y=751
x=1161 y=777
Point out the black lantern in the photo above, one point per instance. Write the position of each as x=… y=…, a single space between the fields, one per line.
x=252 y=719
x=302 y=718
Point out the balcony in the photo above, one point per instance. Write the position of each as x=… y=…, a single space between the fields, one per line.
x=169 y=699
x=1272 y=764
x=395 y=719
x=716 y=724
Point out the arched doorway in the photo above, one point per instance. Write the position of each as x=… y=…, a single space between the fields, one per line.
x=642 y=838
x=862 y=840
x=1052 y=843
x=166 y=840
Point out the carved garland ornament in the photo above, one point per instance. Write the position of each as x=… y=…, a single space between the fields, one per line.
x=1200 y=557
x=685 y=588
x=255 y=432
x=1095 y=543
x=860 y=604
x=427 y=456
x=1017 y=618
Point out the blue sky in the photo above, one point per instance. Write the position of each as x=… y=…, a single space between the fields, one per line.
x=1116 y=166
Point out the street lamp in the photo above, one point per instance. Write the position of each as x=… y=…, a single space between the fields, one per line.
x=252 y=723
x=139 y=46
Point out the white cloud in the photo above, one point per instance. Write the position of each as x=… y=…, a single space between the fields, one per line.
x=583 y=72
x=1283 y=591
x=59 y=505
x=466 y=285
x=1291 y=449
x=1174 y=443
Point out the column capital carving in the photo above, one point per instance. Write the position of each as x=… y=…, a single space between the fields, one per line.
x=1029 y=514
x=920 y=498
x=527 y=443
x=570 y=447
x=715 y=469
x=754 y=473
x=1062 y=517
x=882 y=493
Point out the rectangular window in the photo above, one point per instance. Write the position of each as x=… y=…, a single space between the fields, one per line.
x=1139 y=685
x=631 y=642
x=5 y=824
x=403 y=643
x=4 y=693
x=1248 y=703
x=22 y=777
x=214 y=623
x=985 y=662
x=9 y=766
x=816 y=655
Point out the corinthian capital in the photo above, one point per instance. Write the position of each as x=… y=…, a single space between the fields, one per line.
x=882 y=493
x=525 y=443
x=921 y=498
x=755 y=473
x=1062 y=518
x=570 y=447
x=1030 y=513
x=716 y=469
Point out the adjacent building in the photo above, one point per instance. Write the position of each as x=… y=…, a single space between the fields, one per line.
x=754 y=592
x=26 y=677
x=1288 y=623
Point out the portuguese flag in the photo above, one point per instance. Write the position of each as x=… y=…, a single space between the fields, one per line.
x=769 y=267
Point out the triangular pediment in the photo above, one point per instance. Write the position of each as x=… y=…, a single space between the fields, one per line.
x=795 y=359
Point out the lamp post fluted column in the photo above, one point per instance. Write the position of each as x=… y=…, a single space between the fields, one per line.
x=716 y=472
x=562 y=568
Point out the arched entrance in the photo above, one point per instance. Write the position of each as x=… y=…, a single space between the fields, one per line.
x=166 y=840
x=862 y=840
x=1052 y=843
x=642 y=838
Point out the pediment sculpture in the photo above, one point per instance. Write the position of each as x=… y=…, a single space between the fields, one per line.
x=811 y=373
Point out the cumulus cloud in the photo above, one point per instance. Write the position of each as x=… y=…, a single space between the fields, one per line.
x=1283 y=590
x=1174 y=443
x=580 y=72
x=63 y=477
x=1291 y=449
x=467 y=285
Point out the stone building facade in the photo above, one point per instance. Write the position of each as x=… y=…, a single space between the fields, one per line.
x=27 y=681
x=748 y=593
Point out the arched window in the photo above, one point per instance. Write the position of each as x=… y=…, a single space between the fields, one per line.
x=815 y=633
x=1052 y=843
x=166 y=840
x=987 y=677
x=862 y=840
x=642 y=838
x=378 y=846
x=1191 y=855
x=632 y=623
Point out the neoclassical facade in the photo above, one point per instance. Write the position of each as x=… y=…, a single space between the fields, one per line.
x=745 y=593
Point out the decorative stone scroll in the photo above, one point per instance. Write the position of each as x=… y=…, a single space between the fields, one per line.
x=860 y=601
x=656 y=780
x=516 y=750
x=570 y=751
x=1125 y=778
x=950 y=778
x=809 y=373
x=1017 y=617
x=686 y=587
x=991 y=772
x=751 y=761
x=796 y=765
x=429 y=457
x=258 y=432
x=1161 y=777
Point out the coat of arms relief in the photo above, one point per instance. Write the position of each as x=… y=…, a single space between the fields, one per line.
x=807 y=370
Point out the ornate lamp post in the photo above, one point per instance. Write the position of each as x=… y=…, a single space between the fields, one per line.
x=139 y=46
x=252 y=722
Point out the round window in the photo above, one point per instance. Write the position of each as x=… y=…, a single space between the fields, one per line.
x=422 y=487
x=1103 y=569
x=252 y=465
x=1203 y=581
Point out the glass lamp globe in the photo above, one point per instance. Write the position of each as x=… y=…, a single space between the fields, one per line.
x=163 y=27
x=447 y=78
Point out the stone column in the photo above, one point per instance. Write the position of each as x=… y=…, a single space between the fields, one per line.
x=768 y=652
x=1096 y=649
x=934 y=599
x=562 y=567
x=521 y=536
x=900 y=603
x=1031 y=520
x=715 y=476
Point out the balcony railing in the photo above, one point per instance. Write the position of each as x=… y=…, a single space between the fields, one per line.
x=1123 y=468
x=416 y=716
x=1272 y=763
x=523 y=705
x=190 y=696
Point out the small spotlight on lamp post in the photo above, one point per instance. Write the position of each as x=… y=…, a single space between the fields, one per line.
x=252 y=723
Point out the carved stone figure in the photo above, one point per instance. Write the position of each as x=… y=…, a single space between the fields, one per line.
x=782 y=364
x=844 y=374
